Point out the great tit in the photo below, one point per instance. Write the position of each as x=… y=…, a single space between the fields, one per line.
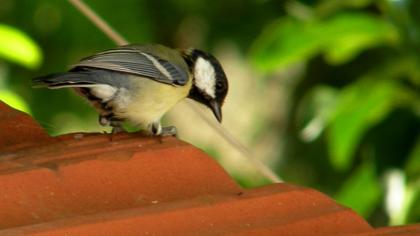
x=140 y=83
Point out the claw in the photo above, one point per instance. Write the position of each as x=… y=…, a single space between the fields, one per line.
x=169 y=131
x=117 y=129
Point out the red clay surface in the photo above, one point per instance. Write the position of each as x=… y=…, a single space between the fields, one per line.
x=90 y=184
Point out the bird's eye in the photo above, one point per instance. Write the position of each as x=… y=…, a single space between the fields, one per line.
x=219 y=85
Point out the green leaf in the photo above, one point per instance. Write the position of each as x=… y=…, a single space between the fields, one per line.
x=285 y=42
x=14 y=100
x=359 y=106
x=340 y=38
x=19 y=48
x=413 y=163
x=361 y=191
x=413 y=203
x=326 y=7
x=353 y=33
x=315 y=111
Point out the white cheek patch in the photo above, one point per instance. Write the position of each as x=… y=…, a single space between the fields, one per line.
x=205 y=77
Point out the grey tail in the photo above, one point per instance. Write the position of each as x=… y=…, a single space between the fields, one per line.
x=67 y=79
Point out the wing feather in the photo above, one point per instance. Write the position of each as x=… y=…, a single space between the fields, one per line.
x=135 y=61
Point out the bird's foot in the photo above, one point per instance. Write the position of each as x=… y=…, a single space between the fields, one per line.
x=111 y=120
x=157 y=130
x=169 y=131
x=117 y=129
x=104 y=120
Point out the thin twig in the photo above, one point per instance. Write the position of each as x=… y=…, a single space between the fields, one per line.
x=99 y=22
x=268 y=173
x=119 y=40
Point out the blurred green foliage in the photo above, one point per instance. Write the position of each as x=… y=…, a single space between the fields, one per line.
x=17 y=47
x=340 y=38
x=353 y=121
x=358 y=100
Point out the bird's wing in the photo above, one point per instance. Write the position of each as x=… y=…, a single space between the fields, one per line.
x=137 y=62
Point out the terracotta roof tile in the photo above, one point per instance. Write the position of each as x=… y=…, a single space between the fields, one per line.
x=95 y=184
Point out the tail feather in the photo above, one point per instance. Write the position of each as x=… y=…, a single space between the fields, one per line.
x=68 y=79
x=82 y=78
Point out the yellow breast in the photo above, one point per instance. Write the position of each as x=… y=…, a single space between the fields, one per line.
x=149 y=101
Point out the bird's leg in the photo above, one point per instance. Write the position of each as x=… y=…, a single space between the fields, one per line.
x=157 y=129
x=117 y=129
x=160 y=132
x=117 y=125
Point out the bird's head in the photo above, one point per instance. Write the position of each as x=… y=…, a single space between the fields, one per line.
x=210 y=85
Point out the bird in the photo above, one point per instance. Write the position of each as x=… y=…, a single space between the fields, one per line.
x=138 y=84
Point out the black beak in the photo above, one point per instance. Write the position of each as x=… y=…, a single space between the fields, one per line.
x=217 y=111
